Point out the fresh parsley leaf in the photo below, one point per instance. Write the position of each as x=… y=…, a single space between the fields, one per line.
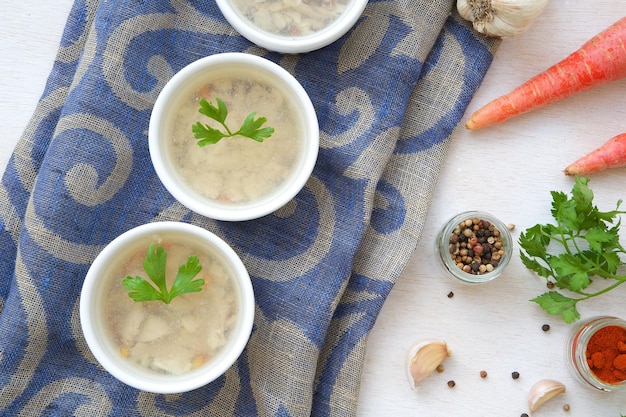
x=207 y=135
x=251 y=128
x=610 y=262
x=185 y=282
x=535 y=266
x=582 y=194
x=583 y=243
x=597 y=237
x=558 y=199
x=536 y=239
x=558 y=304
x=140 y=290
x=571 y=271
x=154 y=264
x=218 y=113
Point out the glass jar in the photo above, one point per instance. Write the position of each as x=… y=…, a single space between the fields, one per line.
x=450 y=252
x=576 y=352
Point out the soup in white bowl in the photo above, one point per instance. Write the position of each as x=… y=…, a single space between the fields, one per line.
x=235 y=177
x=195 y=318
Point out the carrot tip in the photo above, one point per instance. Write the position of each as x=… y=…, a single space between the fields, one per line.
x=572 y=169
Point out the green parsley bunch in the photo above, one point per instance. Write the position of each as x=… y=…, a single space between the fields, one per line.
x=587 y=246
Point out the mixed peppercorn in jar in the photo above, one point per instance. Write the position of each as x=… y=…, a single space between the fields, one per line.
x=474 y=247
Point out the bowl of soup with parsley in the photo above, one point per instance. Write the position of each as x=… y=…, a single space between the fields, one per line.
x=233 y=136
x=167 y=307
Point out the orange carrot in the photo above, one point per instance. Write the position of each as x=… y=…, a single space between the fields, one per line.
x=610 y=155
x=601 y=59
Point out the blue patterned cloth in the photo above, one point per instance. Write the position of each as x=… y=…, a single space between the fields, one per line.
x=388 y=95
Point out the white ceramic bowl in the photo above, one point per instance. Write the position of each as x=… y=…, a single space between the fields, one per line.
x=193 y=174
x=272 y=25
x=95 y=295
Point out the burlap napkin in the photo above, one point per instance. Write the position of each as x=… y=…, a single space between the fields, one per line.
x=387 y=95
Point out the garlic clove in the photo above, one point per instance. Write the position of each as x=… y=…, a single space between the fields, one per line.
x=423 y=358
x=501 y=18
x=543 y=391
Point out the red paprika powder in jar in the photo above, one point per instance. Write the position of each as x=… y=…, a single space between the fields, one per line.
x=596 y=353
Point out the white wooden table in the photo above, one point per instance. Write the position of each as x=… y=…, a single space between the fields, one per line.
x=508 y=170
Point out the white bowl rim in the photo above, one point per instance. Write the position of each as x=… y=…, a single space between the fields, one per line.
x=295 y=44
x=173 y=383
x=235 y=212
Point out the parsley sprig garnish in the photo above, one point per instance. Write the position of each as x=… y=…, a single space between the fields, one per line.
x=588 y=246
x=154 y=264
x=207 y=135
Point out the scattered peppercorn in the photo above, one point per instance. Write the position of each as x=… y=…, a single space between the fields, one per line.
x=515 y=375
x=545 y=327
x=483 y=374
x=565 y=407
x=550 y=285
x=476 y=246
x=450 y=294
x=440 y=368
x=451 y=384
x=524 y=415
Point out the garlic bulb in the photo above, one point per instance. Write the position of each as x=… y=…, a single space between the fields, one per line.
x=423 y=358
x=501 y=18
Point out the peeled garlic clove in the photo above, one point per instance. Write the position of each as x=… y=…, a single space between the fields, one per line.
x=543 y=391
x=423 y=358
x=501 y=18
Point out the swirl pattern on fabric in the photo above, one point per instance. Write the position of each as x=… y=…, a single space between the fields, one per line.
x=388 y=95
